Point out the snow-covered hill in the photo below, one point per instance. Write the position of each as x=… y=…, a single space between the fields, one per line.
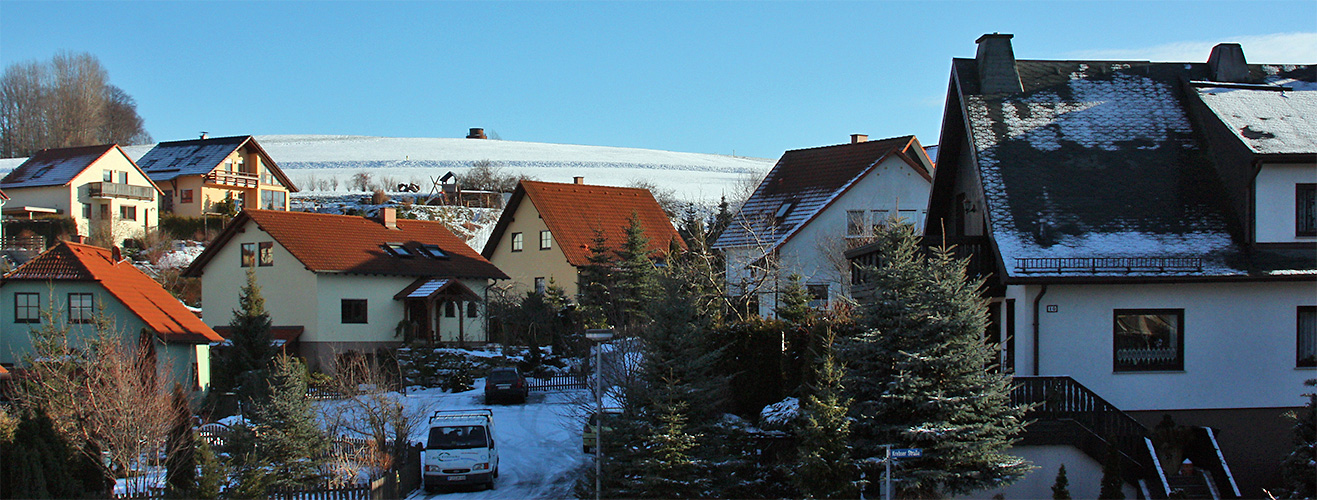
x=693 y=177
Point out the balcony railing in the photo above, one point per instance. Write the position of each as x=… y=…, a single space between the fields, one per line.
x=236 y=179
x=114 y=190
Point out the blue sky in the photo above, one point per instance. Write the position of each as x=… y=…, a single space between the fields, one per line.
x=749 y=78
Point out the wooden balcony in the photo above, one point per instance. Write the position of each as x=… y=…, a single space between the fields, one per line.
x=233 y=179
x=114 y=190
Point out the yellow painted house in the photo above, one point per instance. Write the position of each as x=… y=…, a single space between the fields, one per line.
x=99 y=187
x=197 y=174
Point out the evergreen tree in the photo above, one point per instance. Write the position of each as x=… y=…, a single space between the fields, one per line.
x=1112 y=483
x=692 y=229
x=212 y=475
x=635 y=277
x=793 y=302
x=286 y=432
x=1061 y=487
x=919 y=375
x=250 y=348
x=721 y=221
x=670 y=470
x=37 y=463
x=1297 y=469
x=181 y=474
x=595 y=283
x=824 y=466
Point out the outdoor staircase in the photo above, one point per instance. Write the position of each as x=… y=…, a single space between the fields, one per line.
x=1067 y=413
x=1196 y=485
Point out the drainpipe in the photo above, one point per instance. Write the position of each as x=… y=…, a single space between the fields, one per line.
x=1036 y=333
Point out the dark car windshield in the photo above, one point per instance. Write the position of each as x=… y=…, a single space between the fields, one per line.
x=457 y=437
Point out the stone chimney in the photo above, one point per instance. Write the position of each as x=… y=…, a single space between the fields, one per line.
x=996 y=62
x=476 y=133
x=389 y=217
x=578 y=180
x=1227 y=63
x=858 y=138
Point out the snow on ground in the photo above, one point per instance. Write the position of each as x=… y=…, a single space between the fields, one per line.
x=539 y=442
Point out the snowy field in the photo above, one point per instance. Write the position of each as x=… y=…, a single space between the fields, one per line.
x=694 y=177
x=539 y=442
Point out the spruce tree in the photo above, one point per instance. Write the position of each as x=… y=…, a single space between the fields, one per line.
x=1061 y=487
x=181 y=459
x=635 y=281
x=721 y=220
x=212 y=474
x=1297 y=469
x=824 y=467
x=250 y=349
x=595 y=283
x=38 y=462
x=793 y=302
x=671 y=471
x=286 y=431
x=919 y=375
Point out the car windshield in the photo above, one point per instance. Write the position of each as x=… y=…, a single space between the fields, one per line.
x=457 y=437
x=502 y=376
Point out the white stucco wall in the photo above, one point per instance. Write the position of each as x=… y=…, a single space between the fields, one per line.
x=1239 y=342
x=71 y=199
x=287 y=287
x=1084 y=474
x=1274 y=201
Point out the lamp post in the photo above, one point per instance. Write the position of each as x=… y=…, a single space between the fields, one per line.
x=599 y=336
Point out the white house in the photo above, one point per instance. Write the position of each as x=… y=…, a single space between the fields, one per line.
x=99 y=187
x=336 y=283
x=1147 y=230
x=814 y=205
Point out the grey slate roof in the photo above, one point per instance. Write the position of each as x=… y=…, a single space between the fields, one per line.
x=801 y=184
x=168 y=160
x=54 y=167
x=1100 y=160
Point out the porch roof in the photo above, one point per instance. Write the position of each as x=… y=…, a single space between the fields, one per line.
x=430 y=287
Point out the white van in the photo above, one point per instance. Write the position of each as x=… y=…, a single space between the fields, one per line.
x=460 y=450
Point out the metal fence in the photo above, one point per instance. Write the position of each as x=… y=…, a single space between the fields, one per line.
x=557 y=382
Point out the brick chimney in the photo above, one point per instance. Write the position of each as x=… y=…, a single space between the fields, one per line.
x=996 y=62
x=858 y=138
x=578 y=180
x=116 y=254
x=389 y=217
x=476 y=133
x=1227 y=63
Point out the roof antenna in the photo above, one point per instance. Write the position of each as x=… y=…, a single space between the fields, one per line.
x=204 y=134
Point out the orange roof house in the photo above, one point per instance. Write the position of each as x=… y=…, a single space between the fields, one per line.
x=349 y=283
x=78 y=281
x=547 y=228
x=196 y=174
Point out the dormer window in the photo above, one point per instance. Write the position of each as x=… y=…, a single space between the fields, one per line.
x=434 y=252
x=398 y=250
x=1305 y=215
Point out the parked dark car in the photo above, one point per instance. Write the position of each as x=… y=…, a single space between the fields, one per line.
x=506 y=384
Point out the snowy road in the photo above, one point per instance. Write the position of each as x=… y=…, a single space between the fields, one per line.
x=539 y=443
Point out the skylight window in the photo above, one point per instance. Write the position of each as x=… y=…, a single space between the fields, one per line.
x=433 y=251
x=783 y=210
x=398 y=250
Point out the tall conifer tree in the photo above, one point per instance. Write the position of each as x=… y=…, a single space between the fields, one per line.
x=250 y=347
x=285 y=426
x=920 y=375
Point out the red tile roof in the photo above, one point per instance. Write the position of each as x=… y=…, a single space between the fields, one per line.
x=326 y=243
x=574 y=211
x=141 y=295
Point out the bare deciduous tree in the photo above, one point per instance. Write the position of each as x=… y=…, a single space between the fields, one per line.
x=372 y=407
x=108 y=393
x=361 y=181
x=65 y=102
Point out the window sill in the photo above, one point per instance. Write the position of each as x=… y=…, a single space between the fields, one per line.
x=1144 y=372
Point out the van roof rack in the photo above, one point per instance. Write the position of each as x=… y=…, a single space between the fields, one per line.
x=485 y=414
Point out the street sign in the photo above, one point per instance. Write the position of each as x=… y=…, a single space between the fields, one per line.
x=907 y=452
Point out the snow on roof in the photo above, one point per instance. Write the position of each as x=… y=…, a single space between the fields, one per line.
x=1097 y=161
x=1265 y=118
x=168 y=160
x=54 y=167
